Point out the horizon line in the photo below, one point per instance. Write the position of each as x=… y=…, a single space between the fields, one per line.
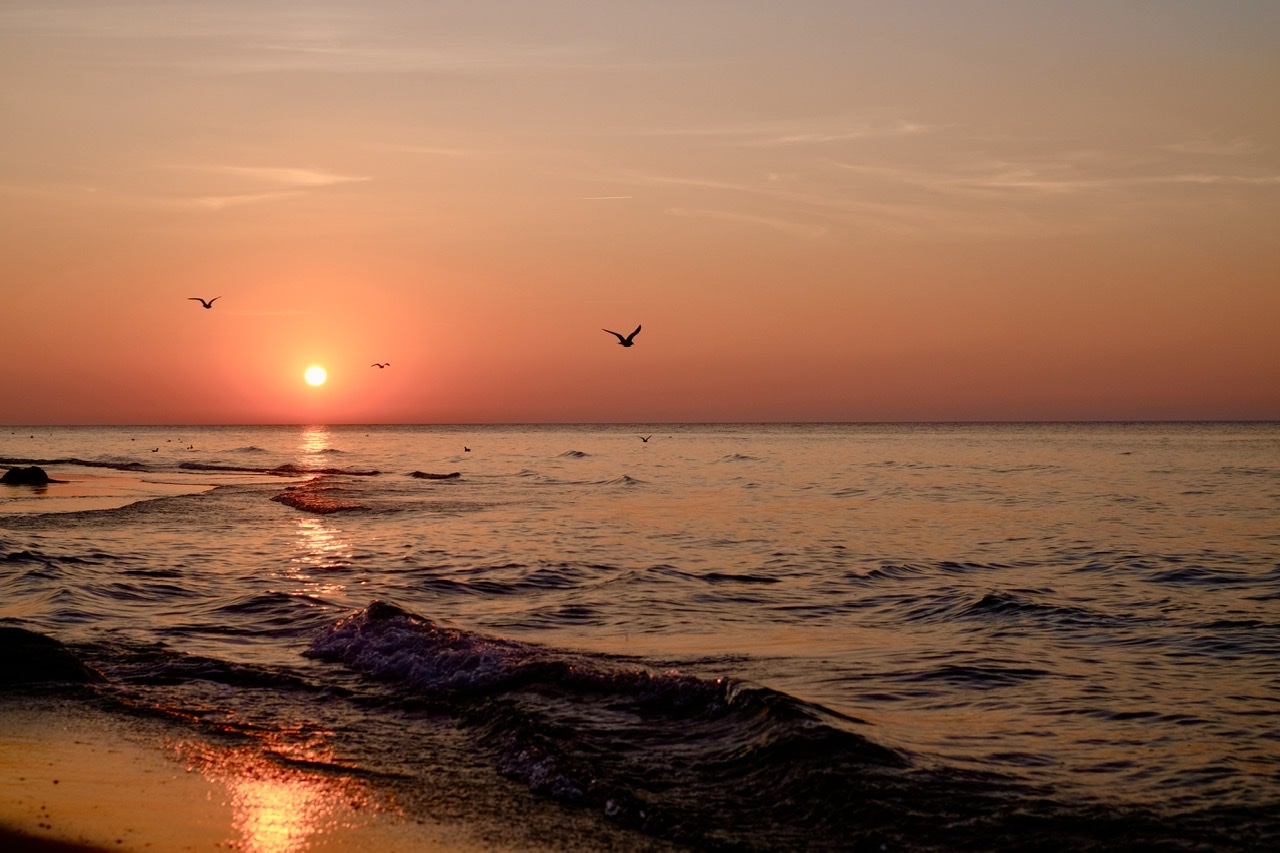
x=872 y=422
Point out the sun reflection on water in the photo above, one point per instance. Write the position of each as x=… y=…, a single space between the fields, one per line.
x=320 y=546
x=314 y=441
x=275 y=808
x=322 y=552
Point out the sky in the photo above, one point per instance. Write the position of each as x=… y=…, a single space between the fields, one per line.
x=818 y=210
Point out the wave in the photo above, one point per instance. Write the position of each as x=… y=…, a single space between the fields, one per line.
x=716 y=763
x=650 y=749
x=703 y=762
x=624 y=480
x=574 y=454
x=73 y=460
x=289 y=469
x=1000 y=607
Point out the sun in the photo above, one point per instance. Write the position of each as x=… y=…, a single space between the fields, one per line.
x=315 y=375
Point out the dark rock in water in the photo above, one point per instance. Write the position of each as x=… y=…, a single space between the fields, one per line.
x=30 y=658
x=33 y=475
x=423 y=475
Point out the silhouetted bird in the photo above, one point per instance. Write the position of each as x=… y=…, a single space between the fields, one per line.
x=645 y=438
x=380 y=364
x=205 y=303
x=626 y=342
x=466 y=449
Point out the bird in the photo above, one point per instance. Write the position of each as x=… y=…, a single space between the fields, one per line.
x=645 y=438
x=627 y=341
x=381 y=364
x=466 y=449
x=207 y=303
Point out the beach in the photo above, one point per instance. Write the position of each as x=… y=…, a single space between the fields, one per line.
x=73 y=778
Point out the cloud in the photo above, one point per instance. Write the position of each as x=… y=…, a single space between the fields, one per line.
x=219 y=202
x=354 y=56
x=281 y=175
x=1237 y=180
x=1058 y=178
x=233 y=37
x=436 y=151
x=797 y=133
x=1233 y=148
x=250 y=185
x=820 y=136
x=794 y=229
x=208 y=187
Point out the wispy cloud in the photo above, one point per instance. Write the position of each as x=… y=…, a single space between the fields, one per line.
x=356 y=56
x=796 y=132
x=207 y=187
x=791 y=228
x=247 y=38
x=1043 y=179
x=821 y=136
x=1236 y=180
x=436 y=150
x=1230 y=148
x=234 y=186
x=213 y=202
x=287 y=176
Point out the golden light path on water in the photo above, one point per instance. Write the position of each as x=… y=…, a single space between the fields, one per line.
x=276 y=809
x=320 y=546
x=314 y=441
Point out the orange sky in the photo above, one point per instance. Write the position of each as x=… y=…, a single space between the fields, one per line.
x=818 y=210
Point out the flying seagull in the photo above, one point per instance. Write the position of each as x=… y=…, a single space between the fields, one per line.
x=627 y=341
x=205 y=303
x=645 y=438
x=381 y=364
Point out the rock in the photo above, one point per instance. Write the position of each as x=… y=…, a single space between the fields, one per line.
x=30 y=658
x=31 y=476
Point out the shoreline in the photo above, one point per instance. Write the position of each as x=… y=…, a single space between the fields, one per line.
x=78 y=779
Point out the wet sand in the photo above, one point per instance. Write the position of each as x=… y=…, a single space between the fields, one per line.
x=73 y=778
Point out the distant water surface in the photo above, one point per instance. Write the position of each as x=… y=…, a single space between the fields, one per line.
x=740 y=636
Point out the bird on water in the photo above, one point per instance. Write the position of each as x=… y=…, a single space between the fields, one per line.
x=207 y=303
x=627 y=341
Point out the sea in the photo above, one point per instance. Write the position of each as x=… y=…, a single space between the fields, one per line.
x=691 y=636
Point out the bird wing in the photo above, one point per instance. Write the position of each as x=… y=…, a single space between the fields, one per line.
x=633 y=334
x=610 y=331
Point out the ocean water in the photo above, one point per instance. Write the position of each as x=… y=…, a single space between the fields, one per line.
x=758 y=637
